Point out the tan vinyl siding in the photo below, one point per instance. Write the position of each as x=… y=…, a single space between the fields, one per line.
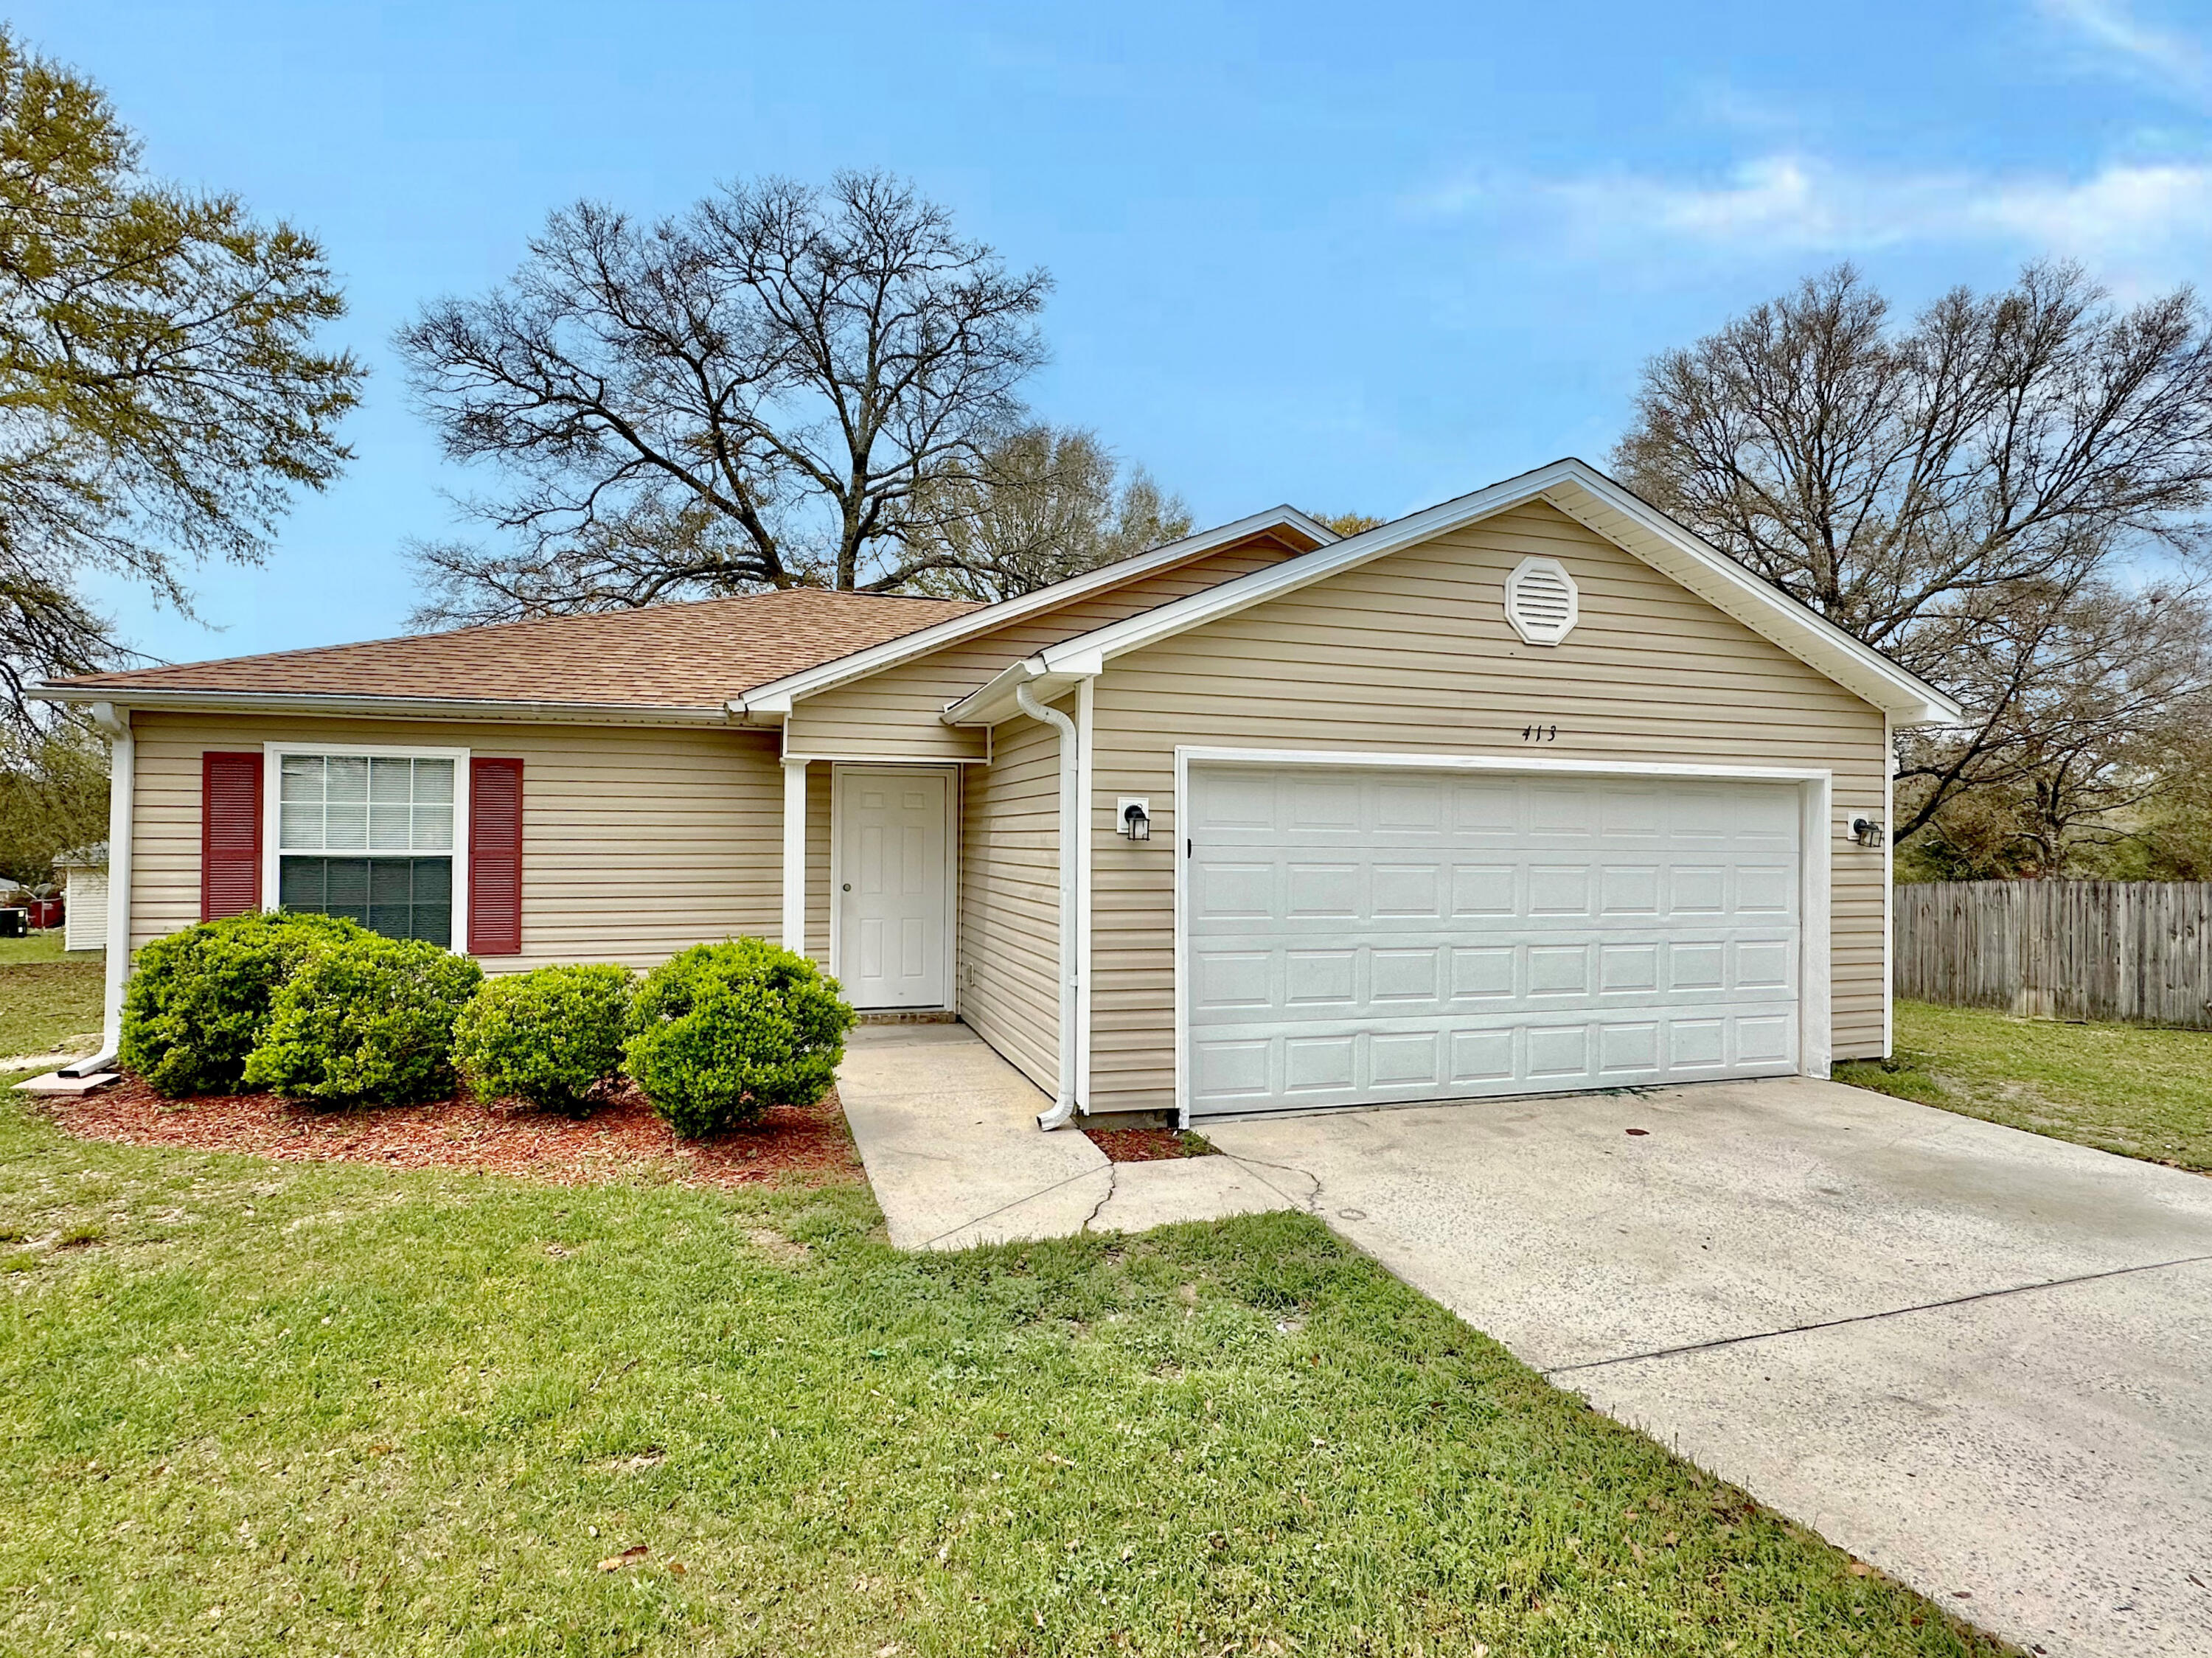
x=894 y=715
x=1412 y=653
x=1009 y=953
x=635 y=842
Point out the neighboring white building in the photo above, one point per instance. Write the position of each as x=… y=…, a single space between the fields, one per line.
x=84 y=897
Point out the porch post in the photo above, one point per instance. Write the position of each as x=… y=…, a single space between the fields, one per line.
x=794 y=856
x=122 y=780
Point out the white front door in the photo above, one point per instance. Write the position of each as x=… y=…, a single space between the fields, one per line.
x=893 y=922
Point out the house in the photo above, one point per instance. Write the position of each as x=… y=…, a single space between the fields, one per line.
x=1532 y=790
x=83 y=870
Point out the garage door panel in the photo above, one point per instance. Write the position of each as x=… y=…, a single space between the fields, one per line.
x=1388 y=1060
x=1233 y=979
x=1237 y=892
x=1484 y=972
x=1320 y=979
x=1435 y=973
x=1486 y=890
x=1359 y=937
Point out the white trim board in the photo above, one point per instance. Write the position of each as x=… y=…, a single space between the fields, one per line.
x=1571 y=486
x=1815 y=852
x=795 y=757
x=1889 y=890
x=273 y=790
x=1082 y=830
x=777 y=696
x=839 y=770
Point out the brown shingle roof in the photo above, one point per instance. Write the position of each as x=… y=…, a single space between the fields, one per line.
x=694 y=655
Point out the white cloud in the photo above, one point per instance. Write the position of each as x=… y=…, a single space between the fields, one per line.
x=2132 y=222
x=2166 y=58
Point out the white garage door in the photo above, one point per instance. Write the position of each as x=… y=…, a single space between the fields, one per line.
x=1366 y=936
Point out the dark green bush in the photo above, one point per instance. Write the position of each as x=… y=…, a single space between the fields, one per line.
x=198 y=1000
x=722 y=1032
x=369 y=1019
x=552 y=1036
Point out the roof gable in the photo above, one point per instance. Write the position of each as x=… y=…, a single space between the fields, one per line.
x=776 y=697
x=1574 y=488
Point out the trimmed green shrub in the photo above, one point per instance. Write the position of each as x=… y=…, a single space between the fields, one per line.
x=722 y=1032
x=367 y=1019
x=198 y=1000
x=552 y=1036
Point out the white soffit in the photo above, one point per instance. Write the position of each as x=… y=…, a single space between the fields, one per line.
x=1575 y=488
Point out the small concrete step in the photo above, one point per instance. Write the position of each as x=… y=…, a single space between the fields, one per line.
x=56 y=1082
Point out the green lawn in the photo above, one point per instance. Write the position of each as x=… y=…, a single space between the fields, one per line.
x=2129 y=1088
x=262 y=1407
x=46 y=997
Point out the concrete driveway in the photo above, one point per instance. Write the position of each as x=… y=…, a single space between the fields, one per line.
x=1979 y=1359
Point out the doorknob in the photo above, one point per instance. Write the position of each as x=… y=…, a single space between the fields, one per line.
x=848 y=886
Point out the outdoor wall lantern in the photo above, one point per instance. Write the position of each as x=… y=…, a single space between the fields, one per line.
x=1866 y=831
x=1136 y=822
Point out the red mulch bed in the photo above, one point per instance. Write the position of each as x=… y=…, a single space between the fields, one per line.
x=622 y=1139
x=1147 y=1144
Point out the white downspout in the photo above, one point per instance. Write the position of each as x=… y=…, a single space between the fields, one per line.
x=121 y=769
x=1063 y=1107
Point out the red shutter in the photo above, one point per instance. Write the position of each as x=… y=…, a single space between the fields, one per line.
x=495 y=857
x=230 y=834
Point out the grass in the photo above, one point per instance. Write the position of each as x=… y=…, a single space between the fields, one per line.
x=2130 y=1088
x=43 y=946
x=46 y=997
x=257 y=1408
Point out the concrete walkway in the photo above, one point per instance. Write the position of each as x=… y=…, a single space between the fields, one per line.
x=1979 y=1359
x=948 y=1132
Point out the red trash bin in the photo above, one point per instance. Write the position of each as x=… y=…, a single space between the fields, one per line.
x=46 y=913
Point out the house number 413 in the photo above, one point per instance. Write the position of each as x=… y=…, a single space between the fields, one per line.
x=1540 y=733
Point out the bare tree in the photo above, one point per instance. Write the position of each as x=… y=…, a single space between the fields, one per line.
x=1937 y=489
x=1044 y=504
x=761 y=392
x=2109 y=690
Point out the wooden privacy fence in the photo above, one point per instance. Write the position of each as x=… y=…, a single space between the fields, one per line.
x=2060 y=950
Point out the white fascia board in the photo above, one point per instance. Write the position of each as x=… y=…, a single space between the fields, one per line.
x=777 y=696
x=383 y=708
x=1596 y=502
x=1583 y=493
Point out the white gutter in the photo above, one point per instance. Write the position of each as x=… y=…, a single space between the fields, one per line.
x=389 y=707
x=122 y=766
x=1063 y=1107
x=988 y=703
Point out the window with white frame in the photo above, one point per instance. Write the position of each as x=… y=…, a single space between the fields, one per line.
x=370 y=837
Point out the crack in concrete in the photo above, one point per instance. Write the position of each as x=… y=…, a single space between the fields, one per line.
x=1310 y=1203
x=977 y=1220
x=1870 y=1318
x=1113 y=1185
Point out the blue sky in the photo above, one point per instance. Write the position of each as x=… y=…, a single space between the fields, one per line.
x=1354 y=258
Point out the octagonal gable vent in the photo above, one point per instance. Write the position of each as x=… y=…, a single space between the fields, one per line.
x=1540 y=601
